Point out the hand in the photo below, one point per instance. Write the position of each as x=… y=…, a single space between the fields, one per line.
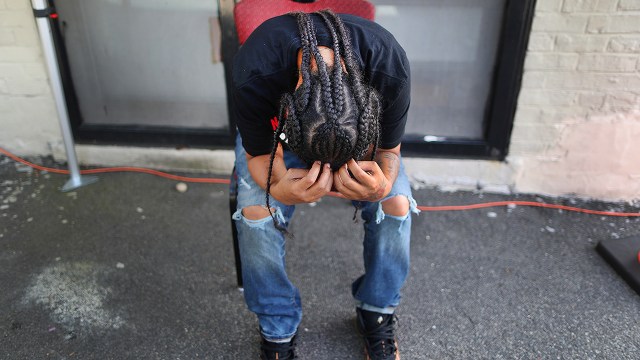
x=303 y=186
x=368 y=183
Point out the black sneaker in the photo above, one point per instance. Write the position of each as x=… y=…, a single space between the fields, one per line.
x=278 y=351
x=378 y=332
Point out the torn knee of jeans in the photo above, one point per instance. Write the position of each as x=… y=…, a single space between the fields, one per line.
x=277 y=213
x=396 y=206
x=413 y=208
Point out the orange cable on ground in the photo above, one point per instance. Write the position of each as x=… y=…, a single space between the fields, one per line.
x=118 y=169
x=226 y=181
x=524 y=203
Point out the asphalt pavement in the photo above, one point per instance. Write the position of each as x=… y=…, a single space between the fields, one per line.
x=131 y=268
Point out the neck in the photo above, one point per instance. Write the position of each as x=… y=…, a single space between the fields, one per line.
x=328 y=57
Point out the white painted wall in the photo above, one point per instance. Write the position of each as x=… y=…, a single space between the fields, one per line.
x=576 y=129
x=28 y=119
x=578 y=119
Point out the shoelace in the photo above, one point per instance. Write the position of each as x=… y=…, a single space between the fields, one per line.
x=276 y=351
x=382 y=343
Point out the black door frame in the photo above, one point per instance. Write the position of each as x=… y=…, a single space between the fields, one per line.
x=498 y=117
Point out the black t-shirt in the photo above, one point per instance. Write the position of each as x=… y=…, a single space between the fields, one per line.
x=265 y=68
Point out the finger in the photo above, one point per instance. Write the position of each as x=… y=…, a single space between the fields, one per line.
x=345 y=177
x=339 y=184
x=296 y=174
x=318 y=187
x=369 y=166
x=336 y=180
x=326 y=180
x=357 y=183
x=298 y=180
x=329 y=184
x=360 y=174
x=308 y=179
x=313 y=173
x=339 y=187
x=373 y=170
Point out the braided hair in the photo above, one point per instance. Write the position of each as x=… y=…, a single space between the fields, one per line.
x=333 y=116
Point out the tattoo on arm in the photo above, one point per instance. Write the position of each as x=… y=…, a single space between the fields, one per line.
x=389 y=163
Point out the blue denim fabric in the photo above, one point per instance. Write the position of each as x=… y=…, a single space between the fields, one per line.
x=267 y=289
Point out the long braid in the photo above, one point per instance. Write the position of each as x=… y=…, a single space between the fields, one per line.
x=368 y=101
x=310 y=43
x=341 y=143
x=370 y=116
x=333 y=115
x=337 y=64
x=276 y=135
x=305 y=67
x=331 y=90
x=325 y=80
x=345 y=46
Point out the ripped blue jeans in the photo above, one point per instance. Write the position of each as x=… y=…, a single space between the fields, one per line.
x=267 y=289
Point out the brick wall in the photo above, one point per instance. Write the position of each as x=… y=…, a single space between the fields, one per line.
x=577 y=126
x=27 y=110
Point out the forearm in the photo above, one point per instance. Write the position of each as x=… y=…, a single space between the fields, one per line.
x=290 y=186
x=389 y=162
x=259 y=168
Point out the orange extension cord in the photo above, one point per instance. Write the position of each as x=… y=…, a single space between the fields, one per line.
x=226 y=181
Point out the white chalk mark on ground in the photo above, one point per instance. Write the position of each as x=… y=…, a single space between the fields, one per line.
x=70 y=292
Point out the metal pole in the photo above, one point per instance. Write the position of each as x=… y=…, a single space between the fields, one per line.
x=42 y=12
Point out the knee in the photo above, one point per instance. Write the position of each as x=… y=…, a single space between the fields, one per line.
x=396 y=206
x=256 y=212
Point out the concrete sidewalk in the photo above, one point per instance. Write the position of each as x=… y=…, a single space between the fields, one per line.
x=129 y=268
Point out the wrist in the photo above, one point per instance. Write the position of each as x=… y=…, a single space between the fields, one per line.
x=385 y=189
x=388 y=187
x=274 y=190
x=280 y=194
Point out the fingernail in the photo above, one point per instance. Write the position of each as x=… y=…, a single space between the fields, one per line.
x=318 y=163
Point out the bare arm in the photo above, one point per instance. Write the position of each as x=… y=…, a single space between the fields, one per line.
x=291 y=186
x=259 y=168
x=372 y=180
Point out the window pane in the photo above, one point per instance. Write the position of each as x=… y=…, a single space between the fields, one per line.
x=451 y=45
x=145 y=62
